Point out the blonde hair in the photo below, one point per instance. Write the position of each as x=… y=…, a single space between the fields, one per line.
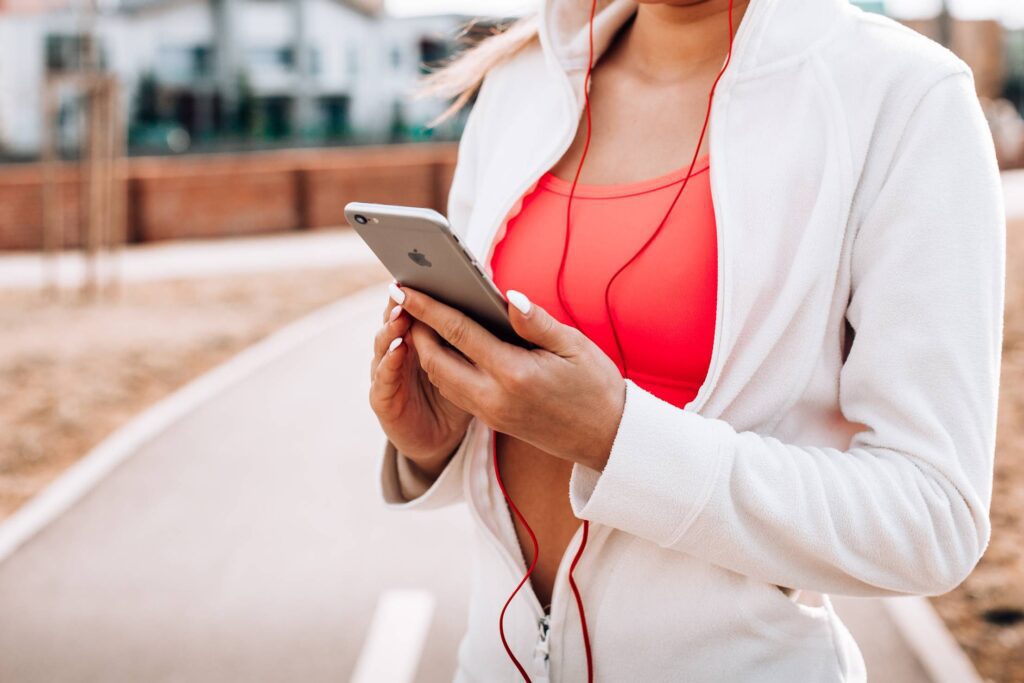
x=462 y=75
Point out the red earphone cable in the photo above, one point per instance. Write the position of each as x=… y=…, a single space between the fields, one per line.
x=579 y=601
x=529 y=571
x=689 y=173
x=618 y=344
x=561 y=299
x=661 y=224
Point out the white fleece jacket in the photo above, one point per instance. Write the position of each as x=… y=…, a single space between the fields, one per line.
x=843 y=441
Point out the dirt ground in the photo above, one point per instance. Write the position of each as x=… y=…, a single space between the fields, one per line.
x=986 y=613
x=71 y=372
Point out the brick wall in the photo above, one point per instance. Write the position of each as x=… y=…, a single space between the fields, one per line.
x=21 y=207
x=980 y=43
x=237 y=194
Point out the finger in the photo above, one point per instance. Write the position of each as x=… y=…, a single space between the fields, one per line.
x=386 y=376
x=389 y=331
x=535 y=324
x=456 y=378
x=385 y=336
x=390 y=305
x=465 y=334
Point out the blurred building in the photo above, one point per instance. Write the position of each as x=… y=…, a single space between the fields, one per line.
x=870 y=5
x=996 y=57
x=979 y=42
x=208 y=72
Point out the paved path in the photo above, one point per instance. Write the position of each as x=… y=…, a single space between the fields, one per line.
x=193 y=258
x=246 y=543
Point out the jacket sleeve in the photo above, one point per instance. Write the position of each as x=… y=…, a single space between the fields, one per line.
x=403 y=486
x=905 y=509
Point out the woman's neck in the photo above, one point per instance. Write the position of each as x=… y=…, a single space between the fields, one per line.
x=665 y=42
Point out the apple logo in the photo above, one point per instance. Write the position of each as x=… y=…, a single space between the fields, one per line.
x=419 y=258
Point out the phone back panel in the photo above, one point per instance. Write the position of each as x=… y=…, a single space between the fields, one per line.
x=419 y=249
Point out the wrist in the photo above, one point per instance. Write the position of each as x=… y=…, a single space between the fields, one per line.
x=601 y=447
x=432 y=465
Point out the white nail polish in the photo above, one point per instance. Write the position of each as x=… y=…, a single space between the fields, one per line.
x=519 y=300
x=396 y=293
x=394 y=313
x=394 y=343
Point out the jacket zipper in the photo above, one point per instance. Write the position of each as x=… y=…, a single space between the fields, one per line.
x=561 y=577
x=544 y=634
x=516 y=569
x=542 y=651
x=542 y=647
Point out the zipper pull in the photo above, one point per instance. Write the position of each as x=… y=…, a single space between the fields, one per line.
x=541 y=650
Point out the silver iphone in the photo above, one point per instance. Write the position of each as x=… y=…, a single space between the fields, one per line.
x=419 y=249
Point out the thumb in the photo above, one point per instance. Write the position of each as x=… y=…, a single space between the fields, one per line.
x=534 y=324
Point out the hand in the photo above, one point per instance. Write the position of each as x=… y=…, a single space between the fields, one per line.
x=424 y=425
x=565 y=398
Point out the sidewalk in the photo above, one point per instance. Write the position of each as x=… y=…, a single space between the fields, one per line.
x=244 y=541
x=194 y=258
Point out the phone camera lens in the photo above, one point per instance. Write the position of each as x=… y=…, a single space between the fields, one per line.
x=361 y=219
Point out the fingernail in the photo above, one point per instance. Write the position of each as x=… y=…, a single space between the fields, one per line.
x=396 y=293
x=394 y=313
x=519 y=300
x=394 y=343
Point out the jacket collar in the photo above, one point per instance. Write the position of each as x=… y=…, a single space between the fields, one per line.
x=771 y=32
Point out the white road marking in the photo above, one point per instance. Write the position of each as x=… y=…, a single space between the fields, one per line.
x=395 y=639
x=927 y=636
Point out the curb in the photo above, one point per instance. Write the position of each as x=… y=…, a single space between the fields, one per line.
x=931 y=642
x=79 y=479
x=190 y=259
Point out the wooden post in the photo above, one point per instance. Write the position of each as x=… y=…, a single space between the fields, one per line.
x=52 y=239
x=92 y=163
x=118 y=187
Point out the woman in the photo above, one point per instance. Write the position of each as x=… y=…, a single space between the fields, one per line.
x=791 y=393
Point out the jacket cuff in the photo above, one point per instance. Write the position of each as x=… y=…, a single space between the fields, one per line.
x=412 y=481
x=659 y=474
x=404 y=486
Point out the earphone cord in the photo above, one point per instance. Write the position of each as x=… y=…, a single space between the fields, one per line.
x=661 y=224
x=618 y=344
x=529 y=571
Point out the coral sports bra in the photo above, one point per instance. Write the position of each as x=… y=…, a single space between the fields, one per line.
x=664 y=302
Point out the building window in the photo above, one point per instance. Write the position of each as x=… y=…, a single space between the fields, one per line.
x=202 y=60
x=68 y=52
x=281 y=58
x=432 y=52
x=182 y=65
x=335 y=109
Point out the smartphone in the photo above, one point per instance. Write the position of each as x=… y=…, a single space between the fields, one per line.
x=419 y=249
